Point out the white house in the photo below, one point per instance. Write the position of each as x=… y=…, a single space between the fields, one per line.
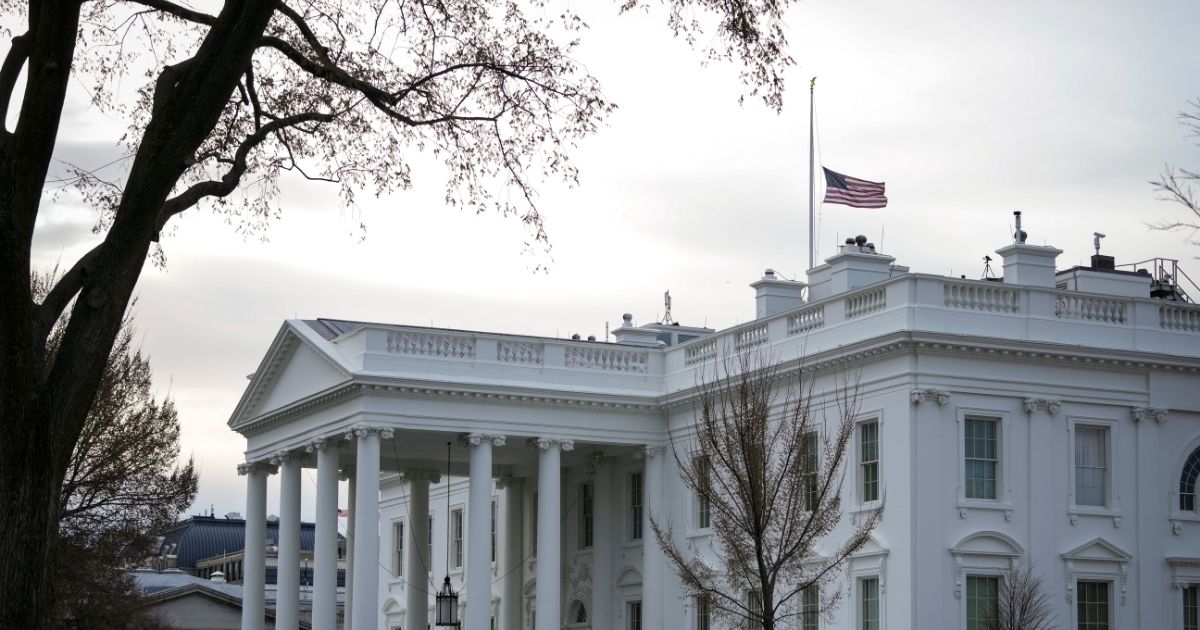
x=1049 y=417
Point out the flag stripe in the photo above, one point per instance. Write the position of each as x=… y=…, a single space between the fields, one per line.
x=852 y=191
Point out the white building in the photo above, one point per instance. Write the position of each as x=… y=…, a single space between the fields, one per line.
x=1048 y=418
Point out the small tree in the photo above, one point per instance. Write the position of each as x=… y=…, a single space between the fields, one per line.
x=772 y=482
x=1178 y=185
x=122 y=485
x=1023 y=603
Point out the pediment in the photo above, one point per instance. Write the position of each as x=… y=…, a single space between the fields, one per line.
x=988 y=543
x=1098 y=549
x=629 y=577
x=873 y=547
x=297 y=365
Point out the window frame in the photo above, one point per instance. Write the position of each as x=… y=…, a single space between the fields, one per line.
x=398 y=534
x=495 y=525
x=1004 y=465
x=815 y=472
x=701 y=505
x=587 y=515
x=810 y=619
x=702 y=612
x=966 y=594
x=458 y=538
x=860 y=474
x=1177 y=496
x=635 y=512
x=860 y=618
x=1110 y=604
x=1183 y=608
x=1112 y=496
x=754 y=601
x=429 y=534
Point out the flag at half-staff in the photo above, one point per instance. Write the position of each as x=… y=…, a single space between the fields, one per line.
x=852 y=191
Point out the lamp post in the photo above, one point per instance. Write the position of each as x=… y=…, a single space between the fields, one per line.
x=446 y=607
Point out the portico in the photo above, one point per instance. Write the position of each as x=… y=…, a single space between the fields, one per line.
x=518 y=459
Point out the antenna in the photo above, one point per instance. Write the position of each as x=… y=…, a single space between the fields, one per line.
x=1019 y=235
x=1096 y=236
x=666 y=320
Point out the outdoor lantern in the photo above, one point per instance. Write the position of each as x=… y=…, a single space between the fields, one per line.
x=447 y=605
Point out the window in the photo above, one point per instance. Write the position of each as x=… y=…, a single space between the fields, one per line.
x=1091 y=465
x=1187 y=482
x=703 y=501
x=983 y=601
x=810 y=614
x=456 y=533
x=493 y=531
x=703 y=612
x=755 y=604
x=429 y=534
x=635 y=615
x=868 y=458
x=1191 y=608
x=635 y=508
x=586 y=510
x=533 y=526
x=869 y=603
x=1092 y=606
x=979 y=449
x=809 y=459
x=398 y=548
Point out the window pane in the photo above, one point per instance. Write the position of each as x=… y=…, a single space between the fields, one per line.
x=1187 y=482
x=703 y=504
x=811 y=612
x=870 y=603
x=810 y=461
x=755 y=604
x=1092 y=607
x=869 y=460
x=703 y=613
x=982 y=601
x=456 y=526
x=635 y=615
x=586 y=515
x=1191 y=608
x=635 y=506
x=980 y=463
x=1091 y=466
x=398 y=537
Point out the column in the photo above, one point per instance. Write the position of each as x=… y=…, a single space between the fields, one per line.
x=254 y=572
x=548 y=606
x=652 y=557
x=511 y=555
x=479 y=531
x=418 y=567
x=604 y=532
x=325 y=561
x=366 y=527
x=348 y=607
x=287 y=584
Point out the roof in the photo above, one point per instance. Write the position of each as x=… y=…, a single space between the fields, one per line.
x=202 y=537
x=153 y=582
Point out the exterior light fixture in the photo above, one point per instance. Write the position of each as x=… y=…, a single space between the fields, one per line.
x=447 y=600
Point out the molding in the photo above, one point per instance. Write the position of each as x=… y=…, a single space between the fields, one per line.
x=422 y=474
x=504 y=483
x=285 y=455
x=253 y=467
x=475 y=439
x=942 y=398
x=362 y=430
x=1159 y=415
x=1052 y=407
x=544 y=443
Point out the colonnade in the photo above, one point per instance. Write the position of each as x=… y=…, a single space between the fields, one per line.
x=362 y=575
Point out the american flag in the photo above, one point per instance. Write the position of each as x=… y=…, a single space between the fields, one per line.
x=852 y=191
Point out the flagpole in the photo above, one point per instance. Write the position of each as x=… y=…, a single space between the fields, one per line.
x=812 y=191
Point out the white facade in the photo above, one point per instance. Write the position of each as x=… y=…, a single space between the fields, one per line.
x=1024 y=421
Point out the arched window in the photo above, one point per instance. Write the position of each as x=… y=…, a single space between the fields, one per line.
x=1187 y=482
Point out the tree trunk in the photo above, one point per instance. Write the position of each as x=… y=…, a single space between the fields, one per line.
x=43 y=407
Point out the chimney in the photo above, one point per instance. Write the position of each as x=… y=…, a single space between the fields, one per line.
x=773 y=294
x=1031 y=265
x=856 y=264
x=630 y=335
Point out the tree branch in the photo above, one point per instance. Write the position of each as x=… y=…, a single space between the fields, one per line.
x=229 y=181
x=18 y=53
x=181 y=12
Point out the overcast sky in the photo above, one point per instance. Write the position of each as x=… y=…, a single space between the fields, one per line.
x=968 y=110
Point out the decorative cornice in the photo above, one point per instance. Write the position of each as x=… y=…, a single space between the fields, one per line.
x=475 y=439
x=362 y=430
x=942 y=398
x=279 y=457
x=252 y=467
x=503 y=483
x=544 y=443
x=1051 y=406
x=1146 y=413
x=597 y=460
x=423 y=474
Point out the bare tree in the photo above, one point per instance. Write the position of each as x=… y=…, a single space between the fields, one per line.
x=1178 y=184
x=123 y=484
x=1022 y=603
x=216 y=107
x=770 y=472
